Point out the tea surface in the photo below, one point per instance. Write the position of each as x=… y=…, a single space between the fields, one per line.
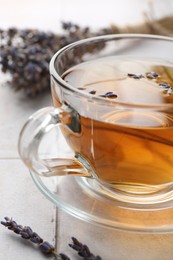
x=140 y=81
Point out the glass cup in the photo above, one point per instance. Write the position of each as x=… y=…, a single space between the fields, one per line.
x=113 y=103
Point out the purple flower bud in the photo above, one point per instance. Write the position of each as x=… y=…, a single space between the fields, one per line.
x=17 y=230
x=36 y=240
x=76 y=242
x=25 y=235
x=135 y=76
x=6 y=224
x=20 y=226
x=46 y=247
x=98 y=258
x=93 y=92
x=7 y=219
x=152 y=75
x=164 y=85
x=62 y=257
x=86 y=249
x=109 y=95
x=75 y=247
x=28 y=230
x=13 y=224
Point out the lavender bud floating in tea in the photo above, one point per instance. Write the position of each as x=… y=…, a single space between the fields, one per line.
x=135 y=76
x=109 y=95
x=152 y=75
x=25 y=54
x=27 y=233
x=164 y=86
x=93 y=92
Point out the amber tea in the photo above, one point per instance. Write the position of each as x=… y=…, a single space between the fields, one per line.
x=129 y=146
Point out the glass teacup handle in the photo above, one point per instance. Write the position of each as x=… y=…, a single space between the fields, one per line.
x=32 y=135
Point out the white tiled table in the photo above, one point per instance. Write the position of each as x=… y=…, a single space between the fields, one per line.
x=20 y=198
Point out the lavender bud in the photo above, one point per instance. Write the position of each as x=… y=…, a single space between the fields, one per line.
x=108 y=93
x=169 y=92
x=25 y=235
x=46 y=248
x=5 y=223
x=83 y=250
x=28 y=230
x=152 y=75
x=36 y=240
x=7 y=219
x=85 y=247
x=75 y=247
x=93 y=92
x=13 y=224
x=164 y=85
x=75 y=241
x=17 y=230
x=21 y=227
x=62 y=257
x=98 y=258
x=135 y=76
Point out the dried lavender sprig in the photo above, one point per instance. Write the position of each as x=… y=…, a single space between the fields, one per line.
x=83 y=250
x=26 y=233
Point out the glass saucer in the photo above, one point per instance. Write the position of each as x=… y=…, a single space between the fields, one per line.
x=72 y=195
x=76 y=196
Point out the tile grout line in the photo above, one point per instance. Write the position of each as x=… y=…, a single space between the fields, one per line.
x=56 y=231
x=10 y=158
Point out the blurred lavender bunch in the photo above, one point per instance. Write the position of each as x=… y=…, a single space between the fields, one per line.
x=27 y=233
x=26 y=54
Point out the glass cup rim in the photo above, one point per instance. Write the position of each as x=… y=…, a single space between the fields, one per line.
x=98 y=99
